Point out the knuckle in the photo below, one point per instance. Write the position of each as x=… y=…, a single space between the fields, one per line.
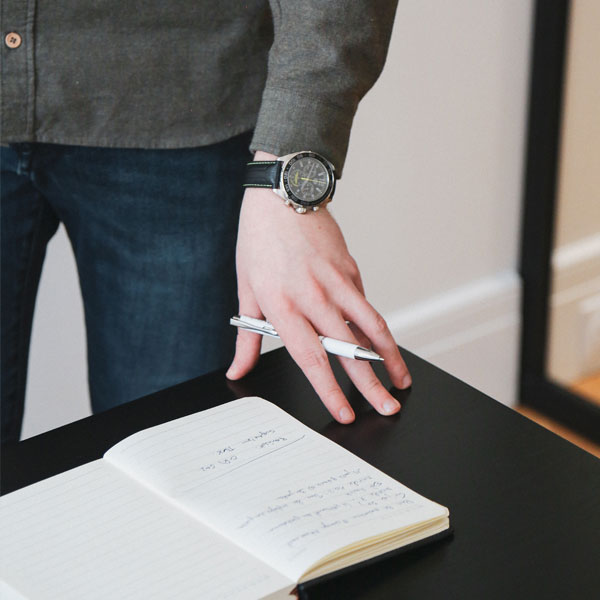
x=340 y=278
x=313 y=359
x=379 y=325
x=333 y=397
x=372 y=385
x=352 y=267
x=281 y=303
x=316 y=295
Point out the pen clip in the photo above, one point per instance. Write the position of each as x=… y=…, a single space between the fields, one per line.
x=266 y=329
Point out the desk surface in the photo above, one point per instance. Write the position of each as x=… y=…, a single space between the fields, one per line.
x=524 y=504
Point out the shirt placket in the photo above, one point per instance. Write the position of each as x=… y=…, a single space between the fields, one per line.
x=17 y=94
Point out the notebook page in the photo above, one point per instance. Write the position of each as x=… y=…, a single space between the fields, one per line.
x=281 y=491
x=94 y=533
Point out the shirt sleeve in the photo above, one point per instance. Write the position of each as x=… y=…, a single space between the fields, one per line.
x=325 y=56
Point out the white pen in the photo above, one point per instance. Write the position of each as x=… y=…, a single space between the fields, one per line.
x=337 y=347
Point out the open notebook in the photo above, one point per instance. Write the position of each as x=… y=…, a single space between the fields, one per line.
x=239 y=501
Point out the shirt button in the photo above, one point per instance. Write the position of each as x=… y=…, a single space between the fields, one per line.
x=13 y=40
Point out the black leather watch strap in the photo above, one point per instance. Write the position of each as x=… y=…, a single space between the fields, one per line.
x=263 y=173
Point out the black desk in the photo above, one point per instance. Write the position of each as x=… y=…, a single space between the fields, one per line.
x=524 y=504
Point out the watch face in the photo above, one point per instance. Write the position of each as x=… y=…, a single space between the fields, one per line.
x=307 y=179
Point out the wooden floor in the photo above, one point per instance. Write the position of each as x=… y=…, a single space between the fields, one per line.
x=590 y=389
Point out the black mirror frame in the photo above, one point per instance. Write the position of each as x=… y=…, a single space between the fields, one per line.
x=537 y=234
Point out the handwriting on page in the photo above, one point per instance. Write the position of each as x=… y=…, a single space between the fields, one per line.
x=339 y=500
x=267 y=482
x=179 y=460
x=294 y=491
x=348 y=488
x=235 y=456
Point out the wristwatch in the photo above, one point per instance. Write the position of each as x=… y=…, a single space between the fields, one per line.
x=305 y=180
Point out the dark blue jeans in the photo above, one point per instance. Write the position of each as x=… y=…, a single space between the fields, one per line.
x=153 y=232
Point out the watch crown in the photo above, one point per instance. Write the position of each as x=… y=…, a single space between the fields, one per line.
x=300 y=209
x=315 y=208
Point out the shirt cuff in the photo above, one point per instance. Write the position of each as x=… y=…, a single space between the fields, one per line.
x=291 y=122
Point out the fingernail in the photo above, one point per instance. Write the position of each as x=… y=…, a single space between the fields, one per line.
x=346 y=415
x=230 y=372
x=406 y=382
x=390 y=407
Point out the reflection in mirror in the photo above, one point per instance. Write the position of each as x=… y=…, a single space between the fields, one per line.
x=573 y=357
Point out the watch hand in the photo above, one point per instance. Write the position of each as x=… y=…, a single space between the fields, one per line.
x=315 y=180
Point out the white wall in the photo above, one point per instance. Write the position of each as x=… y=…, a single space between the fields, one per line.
x=574 y=344
x=429 y=203
x=57 y=382
x=437 y=153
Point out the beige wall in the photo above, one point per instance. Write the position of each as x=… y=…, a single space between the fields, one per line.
x=431 y=195
x=579 y=179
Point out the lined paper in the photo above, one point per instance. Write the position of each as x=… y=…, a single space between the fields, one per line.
x=94 y=533
x=258 y=476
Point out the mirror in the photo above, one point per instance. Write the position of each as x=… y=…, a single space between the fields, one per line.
x=560 y=243
x=573 y=358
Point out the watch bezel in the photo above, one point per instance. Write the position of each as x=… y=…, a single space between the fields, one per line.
x=284 y=185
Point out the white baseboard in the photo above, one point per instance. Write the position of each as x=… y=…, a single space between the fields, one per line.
x=574 y=321
x=472 y=332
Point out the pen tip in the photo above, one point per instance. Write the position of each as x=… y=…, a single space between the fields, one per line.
x=365 y=354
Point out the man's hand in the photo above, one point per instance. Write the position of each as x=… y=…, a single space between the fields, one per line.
x=295 y=271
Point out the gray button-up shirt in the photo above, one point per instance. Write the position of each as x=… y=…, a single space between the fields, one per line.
x=160 y=74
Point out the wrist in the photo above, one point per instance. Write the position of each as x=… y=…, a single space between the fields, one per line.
x=262 y=155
